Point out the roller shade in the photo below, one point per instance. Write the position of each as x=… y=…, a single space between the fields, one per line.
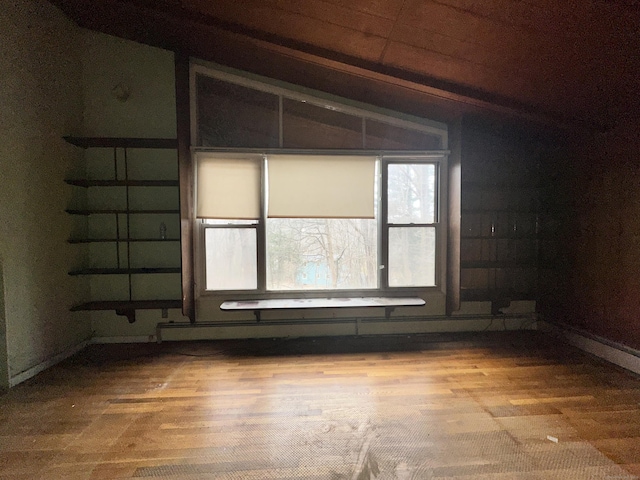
x=228 y=186
x=321 y=186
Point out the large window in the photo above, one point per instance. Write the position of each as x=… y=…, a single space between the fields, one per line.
x=289 y=222
x=300 y=193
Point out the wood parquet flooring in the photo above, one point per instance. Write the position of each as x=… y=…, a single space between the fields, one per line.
x=483 y=406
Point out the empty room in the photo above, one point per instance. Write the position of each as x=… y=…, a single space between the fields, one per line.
x=320 y=239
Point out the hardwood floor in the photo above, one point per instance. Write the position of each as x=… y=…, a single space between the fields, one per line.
x=484 y=406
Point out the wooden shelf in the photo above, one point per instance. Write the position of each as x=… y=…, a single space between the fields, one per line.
x=121 y=240
x=498 y=264
x=119 y=211
x=533 y=211
x=490 y=294
x=122 y=183
x=500 y=237
x=498 y=185
x=122 y=142
x=127 y=308
x=124 y=271
x=123 y=304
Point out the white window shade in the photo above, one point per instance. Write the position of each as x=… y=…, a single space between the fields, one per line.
x=319 y=186
x=228 y=186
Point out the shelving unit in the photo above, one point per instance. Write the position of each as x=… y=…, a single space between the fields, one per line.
x=118 y=208
x=499 y=242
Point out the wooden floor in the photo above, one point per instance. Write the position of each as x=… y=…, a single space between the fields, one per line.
x=486 y=406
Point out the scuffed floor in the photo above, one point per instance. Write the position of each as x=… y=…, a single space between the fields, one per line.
x=490 y=406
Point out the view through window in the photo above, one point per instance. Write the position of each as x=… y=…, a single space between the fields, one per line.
x=325 y=253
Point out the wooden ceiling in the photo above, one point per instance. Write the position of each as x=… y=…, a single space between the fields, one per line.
x=569 y=61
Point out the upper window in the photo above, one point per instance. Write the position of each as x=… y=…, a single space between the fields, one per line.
x=297 y=193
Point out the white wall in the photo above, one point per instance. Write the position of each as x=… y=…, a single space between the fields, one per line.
x=110 y=66
x=147 y=73
x=40 y=72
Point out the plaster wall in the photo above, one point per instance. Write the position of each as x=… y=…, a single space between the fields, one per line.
x=39 y=101
x=129 y=91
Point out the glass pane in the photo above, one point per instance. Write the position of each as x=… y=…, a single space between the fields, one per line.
x=233 y=116
x=412 y=256
x=231 y=259
x=308 y=126
x=411 y=193
x=383 y=136
x=321 y=254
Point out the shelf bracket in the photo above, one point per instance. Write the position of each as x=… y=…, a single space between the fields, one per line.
x=127 y=312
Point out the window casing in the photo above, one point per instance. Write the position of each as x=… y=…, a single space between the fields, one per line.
x=409 y=250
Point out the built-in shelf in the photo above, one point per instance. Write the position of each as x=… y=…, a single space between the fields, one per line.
x=121 y=237
x=531 y=211
x=502 y=186
x=500 y=237
x=489 y=294
x=498 y=264
x=122 y=183
x=122 y=142
x=124 y=271
x=121 y=240
x=127 y=308
x=120 y=211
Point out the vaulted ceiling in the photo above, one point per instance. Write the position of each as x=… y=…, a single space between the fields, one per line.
x=569 y=61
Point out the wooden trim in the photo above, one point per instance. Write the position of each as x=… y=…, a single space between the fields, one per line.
x=121 y=142
x=124 y=271
x=185 y=168
x=121 y=183
x=454 y=223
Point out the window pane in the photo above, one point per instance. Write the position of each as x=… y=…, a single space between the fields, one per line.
x=233 y=116
x=305 y=125
x=412 y=256
x=411 y=193
x=321 y=254
x=231 y=259
x=384 y=136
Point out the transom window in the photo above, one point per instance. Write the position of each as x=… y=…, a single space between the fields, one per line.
x=300 y=193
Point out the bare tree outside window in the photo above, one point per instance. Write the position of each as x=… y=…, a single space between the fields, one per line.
x=323 y=253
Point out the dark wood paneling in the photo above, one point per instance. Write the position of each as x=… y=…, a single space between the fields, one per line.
x=185 y=168
x=351 y=69
x=332 y=28
x=591 y=231
x=454 y=220
x=501 y=207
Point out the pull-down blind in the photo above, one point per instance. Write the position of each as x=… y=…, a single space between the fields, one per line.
x=321 y=186
x=228 y=187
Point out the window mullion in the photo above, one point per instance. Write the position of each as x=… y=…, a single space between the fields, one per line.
x=262 y=230
x=384 y=225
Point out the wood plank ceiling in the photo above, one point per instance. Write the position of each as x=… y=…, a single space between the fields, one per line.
x=574 y=59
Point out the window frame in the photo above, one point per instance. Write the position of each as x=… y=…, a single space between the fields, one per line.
x=386 y=226
x=366 y=112
x=436 y=158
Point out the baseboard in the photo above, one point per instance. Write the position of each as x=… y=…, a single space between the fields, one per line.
x=124 y=339
x=50 y=362
x=182 y=331
x=613 y=352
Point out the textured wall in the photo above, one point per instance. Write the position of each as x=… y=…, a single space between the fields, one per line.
x=39 y=101
x=599 y=197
